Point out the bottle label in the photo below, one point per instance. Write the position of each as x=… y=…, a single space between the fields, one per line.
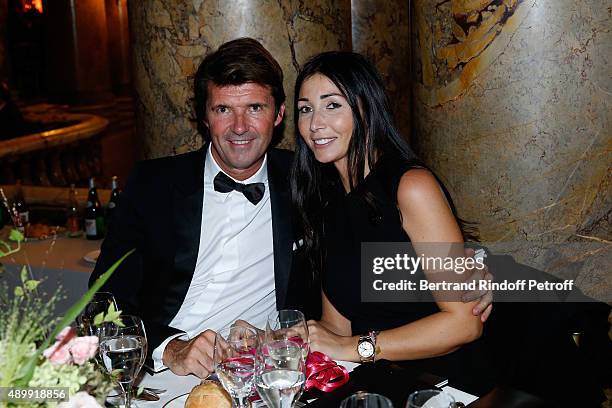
x=89 y=204
x=111 y=205
x=90 y=228
x=73 y=224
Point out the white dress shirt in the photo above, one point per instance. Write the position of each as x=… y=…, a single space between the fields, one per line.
x=234 y=272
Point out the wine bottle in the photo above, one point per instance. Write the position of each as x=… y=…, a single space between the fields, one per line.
x=94 y=218
x=72 y=216
x=112 y=202
x=20 y=205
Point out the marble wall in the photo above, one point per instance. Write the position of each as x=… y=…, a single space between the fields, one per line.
x=513 y=103
x=171 y=37
x=381 y=31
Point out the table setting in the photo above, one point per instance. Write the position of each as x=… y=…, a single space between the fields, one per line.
x=100 y=361
x=271 y=367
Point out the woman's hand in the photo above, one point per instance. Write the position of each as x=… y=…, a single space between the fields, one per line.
x=335 y=346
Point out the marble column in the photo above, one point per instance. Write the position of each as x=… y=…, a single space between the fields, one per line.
x=171 y=37
x=3 y=40
x=77 y=43
x=513 y=109
x=381 y=31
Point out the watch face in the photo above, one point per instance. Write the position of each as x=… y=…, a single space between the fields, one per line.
x=365 y=349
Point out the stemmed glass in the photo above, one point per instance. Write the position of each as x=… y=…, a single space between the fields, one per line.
x=98 y=304
x=430 y=399
x=123 y=350
x=281 y=373
x=288 y=324
x=234 y=358
x=366 y=400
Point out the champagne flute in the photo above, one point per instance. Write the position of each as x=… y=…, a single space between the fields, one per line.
x=98 y=304
x=288 y=324
x=234 y=359
x=281 y=373
x=366 y=400
x=430 y=399
x=123 y=350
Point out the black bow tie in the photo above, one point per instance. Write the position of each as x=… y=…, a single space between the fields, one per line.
x=253 y=192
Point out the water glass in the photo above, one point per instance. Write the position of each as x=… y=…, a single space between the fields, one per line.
x=366 y=400
x=123 y=350
x=281 y=373
x=430 y=399
x=98 y=304
x=288 y=324
x=234 y=359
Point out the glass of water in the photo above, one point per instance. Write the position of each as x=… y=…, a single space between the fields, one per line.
x=430 y=399
x=98 y=304
x=123 y=350
x=234 y=358
x=366 y=400
x=288 y=324
x=281 y=373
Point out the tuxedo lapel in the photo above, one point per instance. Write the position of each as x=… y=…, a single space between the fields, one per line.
x=187 y=201
x=280 y=202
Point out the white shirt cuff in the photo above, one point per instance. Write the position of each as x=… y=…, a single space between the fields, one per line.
x=158 y=353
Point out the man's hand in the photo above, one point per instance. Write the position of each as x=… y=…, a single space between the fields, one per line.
x=193 y=356
x=485 y=303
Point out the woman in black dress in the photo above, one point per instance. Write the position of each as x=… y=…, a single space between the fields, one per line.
x=357 y=178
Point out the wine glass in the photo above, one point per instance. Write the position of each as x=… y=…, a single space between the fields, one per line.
x=234 y=358
x=123 y=350
x=430 y=399
x=281 y=373
x=98 y=304
x=288 y=324
x=366 y=400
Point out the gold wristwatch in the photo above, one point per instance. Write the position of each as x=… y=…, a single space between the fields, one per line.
x=366 y=347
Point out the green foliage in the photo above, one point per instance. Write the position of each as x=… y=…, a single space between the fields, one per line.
x=28 y=327
x=6 y=249
x=111 y=316
x=68 y=318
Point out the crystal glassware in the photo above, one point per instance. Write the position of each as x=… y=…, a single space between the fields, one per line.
x=281 y=373
x=366 y=400
x=98 y=304
x=123 y=349
x=288 y=324
x=234 y=359
x=430 y=399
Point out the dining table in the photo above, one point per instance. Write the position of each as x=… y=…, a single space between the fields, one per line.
x=58 y=262
x=382 y=377
x=66 y=263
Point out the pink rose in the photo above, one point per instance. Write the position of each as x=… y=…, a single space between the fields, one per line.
x=83 y=348
x=80 y=400
x=59 y=353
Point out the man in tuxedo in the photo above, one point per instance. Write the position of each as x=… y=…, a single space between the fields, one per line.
x=212 y=228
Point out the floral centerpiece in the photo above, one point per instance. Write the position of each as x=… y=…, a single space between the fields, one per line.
x=39 y=353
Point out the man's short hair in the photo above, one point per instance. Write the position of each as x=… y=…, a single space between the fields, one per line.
x=237 y=62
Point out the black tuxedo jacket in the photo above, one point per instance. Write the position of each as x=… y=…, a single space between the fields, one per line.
x=159 y=213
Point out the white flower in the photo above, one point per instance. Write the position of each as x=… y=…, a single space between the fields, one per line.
x=80 y=400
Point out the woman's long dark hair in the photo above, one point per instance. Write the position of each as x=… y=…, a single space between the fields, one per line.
x=374 y=134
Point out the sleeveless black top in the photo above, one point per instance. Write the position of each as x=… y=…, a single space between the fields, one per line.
x=521 y=343
x=349 y=221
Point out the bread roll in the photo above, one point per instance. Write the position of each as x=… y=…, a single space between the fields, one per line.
x=209 y=394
